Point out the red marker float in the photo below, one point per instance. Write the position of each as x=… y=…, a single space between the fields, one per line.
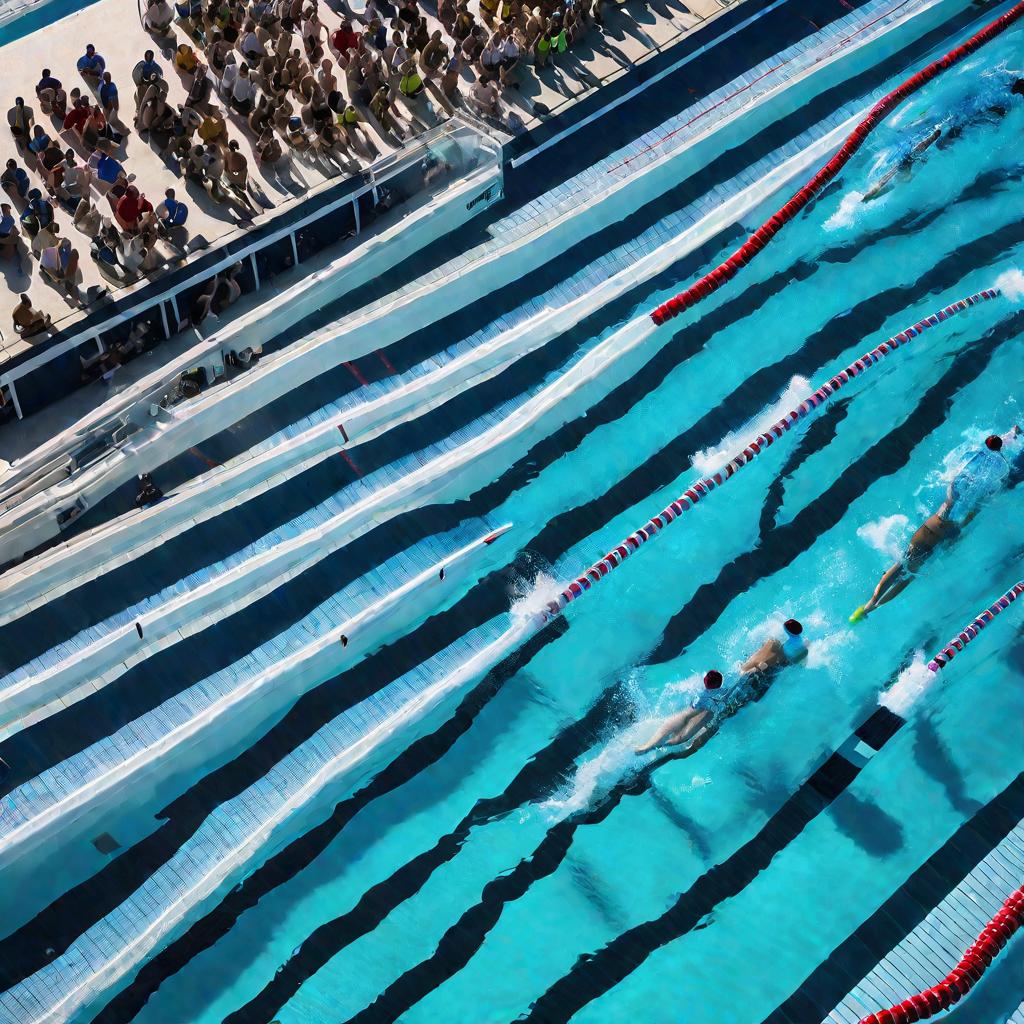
x=726 y=271
x=704 y=487
x=970 y=631
x=971 y=966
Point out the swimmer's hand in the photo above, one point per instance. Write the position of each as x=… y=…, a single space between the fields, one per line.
x=859 y=614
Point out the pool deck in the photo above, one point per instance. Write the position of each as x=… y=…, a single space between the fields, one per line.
x=632 y=30
x=918 y=935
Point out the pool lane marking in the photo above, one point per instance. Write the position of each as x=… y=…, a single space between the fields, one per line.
x=592 y=975
x=760 y=239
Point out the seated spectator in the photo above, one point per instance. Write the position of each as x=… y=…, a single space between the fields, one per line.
x=171 y=213
x=212 y=128
x=21 y=120
x=51 y=166
x=252 y=45
x=155 y=114
x=185 y=59
x=158 y=17
x=296 y=134
x=410 y=84
x=133 y=211
x=434 y=55
x=344 y=38
x=39 y=140
x=262 y=116
x=59 y=264
x=45 y=237
x=74 y=120
x=147 y=69
x=14 y=180
x=37 y=214
x=77 y=177
x=483 y=98
x=446 y=14
x=87 y=218
x=96 y=133
x=51 y=95
x=8 y=233
x=243 y=91
x=108 y=95
x=139 y=255
x=105 y=248
x=200 y=91
x=91 y=64
x=106 y=168
x=268 y=150
x=28 y=321
x=189 y=11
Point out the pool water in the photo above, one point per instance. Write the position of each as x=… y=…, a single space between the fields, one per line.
x=530 y=838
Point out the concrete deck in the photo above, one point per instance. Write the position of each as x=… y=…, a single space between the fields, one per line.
x=631 y=31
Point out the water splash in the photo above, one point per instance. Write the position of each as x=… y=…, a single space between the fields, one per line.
x=846 y=213
x=913 y=682
x=532 y=599
x=710 y=460
x=885 y=535
x=1011 y=284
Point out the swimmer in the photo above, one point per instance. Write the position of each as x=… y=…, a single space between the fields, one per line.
x=985 y=472
x=703 y=713
x=982 y=107
x=701 y=720
x=777 y=653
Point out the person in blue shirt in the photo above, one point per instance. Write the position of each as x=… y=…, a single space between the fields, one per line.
x=108 y=169
x=147 y=69
x=108 y=94
x=37 y=214
x=984 y=472
x=39 y=141
x=14 y=180
x=91 y=64
x=171 y=213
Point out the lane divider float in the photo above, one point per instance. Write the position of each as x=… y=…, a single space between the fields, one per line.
x=702 y=488
x=727 y=270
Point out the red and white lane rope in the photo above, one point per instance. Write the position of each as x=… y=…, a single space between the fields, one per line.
x=970 y=631
x=726 y=271
x=967 y=973
x=703 y=487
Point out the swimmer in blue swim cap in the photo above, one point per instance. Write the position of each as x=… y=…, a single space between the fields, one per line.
x=985 y=471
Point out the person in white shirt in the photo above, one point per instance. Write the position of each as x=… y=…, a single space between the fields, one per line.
x=243 y=92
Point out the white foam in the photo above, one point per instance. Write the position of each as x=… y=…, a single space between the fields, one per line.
x=846 y=213
x=535 y=598
x=885 y=535
x=710 y=460
x=1011 y=284
x=913 y=682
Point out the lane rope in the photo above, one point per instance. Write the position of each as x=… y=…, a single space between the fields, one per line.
x=728 y=269
x=702 y=488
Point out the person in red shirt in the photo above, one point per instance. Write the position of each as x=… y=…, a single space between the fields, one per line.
x=76 y=117
x=133 y=209
x=344 y=39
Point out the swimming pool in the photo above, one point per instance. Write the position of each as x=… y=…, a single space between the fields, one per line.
x=469 y=880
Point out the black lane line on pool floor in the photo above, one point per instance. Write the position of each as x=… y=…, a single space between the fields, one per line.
x=463 y=940
x=56 y=927
x=95 y=601
x=297 y=855
x=55 y=930
x=904 y=910
x=936 y=399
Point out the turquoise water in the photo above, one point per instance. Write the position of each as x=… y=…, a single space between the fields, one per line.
x=470 y=889
x=806 y=532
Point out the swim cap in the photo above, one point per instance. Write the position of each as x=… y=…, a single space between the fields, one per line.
x=713 y=679
x=993 y=442
x=792 y=627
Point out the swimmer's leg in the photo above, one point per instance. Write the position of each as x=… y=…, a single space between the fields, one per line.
x=672 y=725
x=895 y=575
x=702 y=738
